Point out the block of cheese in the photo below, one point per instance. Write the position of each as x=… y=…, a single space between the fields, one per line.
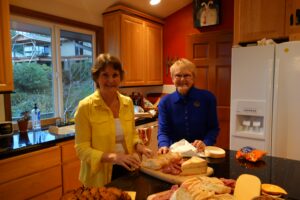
x=193 y=166
x=193 y=162
x=194 y=171
x=247 y=187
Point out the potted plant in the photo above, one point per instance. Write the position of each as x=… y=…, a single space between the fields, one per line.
x=23 y=121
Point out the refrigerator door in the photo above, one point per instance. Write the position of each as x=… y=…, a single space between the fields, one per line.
x=252 y=73
x=286 y=111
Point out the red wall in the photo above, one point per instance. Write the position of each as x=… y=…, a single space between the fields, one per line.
x=180 y=24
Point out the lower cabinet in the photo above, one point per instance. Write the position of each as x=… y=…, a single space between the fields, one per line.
x=34 y=175
x=44 y=174
x=50 y=195
x=70 y=166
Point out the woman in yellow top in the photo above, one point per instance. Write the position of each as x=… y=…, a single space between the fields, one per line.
x=105 y=128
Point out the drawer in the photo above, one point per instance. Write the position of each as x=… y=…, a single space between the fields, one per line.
x=19 y=166
x=32 y=185
x=50 y=195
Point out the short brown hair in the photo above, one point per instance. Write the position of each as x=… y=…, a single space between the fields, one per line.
x=102 y=61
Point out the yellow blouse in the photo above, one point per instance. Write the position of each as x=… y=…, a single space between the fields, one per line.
x=96 y=134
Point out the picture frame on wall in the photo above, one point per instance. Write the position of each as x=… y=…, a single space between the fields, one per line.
x=206 y=13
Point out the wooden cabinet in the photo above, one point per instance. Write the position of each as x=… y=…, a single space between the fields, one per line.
x=258 y=19
x=70 y=166
x=6 y=77
x=137 y=41
x=33 y=175
x=293 y=19
x=211 y=53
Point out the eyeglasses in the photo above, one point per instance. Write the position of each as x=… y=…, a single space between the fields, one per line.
x=180 y=76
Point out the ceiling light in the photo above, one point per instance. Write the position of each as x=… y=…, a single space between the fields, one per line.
x=154 y=2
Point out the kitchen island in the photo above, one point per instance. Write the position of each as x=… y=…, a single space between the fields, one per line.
x=279 y=171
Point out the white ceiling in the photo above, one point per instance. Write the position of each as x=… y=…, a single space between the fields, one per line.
x=90 y=11
x=162 y=10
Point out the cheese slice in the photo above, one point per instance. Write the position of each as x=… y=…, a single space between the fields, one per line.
x=272 y=189
x=214 y=152
x=247 y=187
x=193 y=162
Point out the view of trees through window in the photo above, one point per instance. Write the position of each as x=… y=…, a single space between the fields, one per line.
x=56 y=85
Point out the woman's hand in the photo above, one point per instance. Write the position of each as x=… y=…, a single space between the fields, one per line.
x=143 y=150
x=200 y=145
x=130 y=162
x=163 y=150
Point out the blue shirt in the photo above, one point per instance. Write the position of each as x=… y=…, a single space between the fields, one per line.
x=191 y=117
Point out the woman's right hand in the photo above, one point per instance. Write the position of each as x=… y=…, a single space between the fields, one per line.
x=129 y=161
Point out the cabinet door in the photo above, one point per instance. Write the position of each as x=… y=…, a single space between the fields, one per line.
x=70 y=166
x=132 y=50
x=258 y=19
x=153 y=54
x=112 y=34
x=211 y=53
x=293 y=16
x=6 y=77
x=71 y=176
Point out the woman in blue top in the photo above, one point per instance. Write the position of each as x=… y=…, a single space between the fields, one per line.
x=188 y=113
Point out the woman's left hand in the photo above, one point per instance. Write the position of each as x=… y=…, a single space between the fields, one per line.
x=143 y=150
x=200 y=145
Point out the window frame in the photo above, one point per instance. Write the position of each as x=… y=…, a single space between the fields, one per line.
x=60 y=22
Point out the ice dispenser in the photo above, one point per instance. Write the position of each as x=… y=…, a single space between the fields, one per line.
x=249 y=119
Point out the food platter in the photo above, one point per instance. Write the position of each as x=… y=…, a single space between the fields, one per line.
x=174 y=179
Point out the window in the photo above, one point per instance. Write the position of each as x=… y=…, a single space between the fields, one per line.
x=51 y=65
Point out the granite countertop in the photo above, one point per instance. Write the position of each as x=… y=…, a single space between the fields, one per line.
x=279 y=171
x=20 y=143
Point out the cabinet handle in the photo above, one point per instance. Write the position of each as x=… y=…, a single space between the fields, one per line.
x=291 y=20
x=297 y=16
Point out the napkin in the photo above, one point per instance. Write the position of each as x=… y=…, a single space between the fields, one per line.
x=184 y=148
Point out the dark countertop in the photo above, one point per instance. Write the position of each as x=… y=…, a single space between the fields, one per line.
x=282 y=172
x=21 y=143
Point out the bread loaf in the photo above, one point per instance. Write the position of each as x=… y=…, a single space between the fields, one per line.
x=198 y=188
x=160 y=160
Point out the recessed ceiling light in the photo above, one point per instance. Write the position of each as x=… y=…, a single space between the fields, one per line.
x=154 y=2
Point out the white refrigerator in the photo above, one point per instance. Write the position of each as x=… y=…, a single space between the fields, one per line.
x=265 y=99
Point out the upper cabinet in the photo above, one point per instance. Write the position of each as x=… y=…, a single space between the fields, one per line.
x=293 y=19
x=258 y=19
x=135 y=38
x=6 y=75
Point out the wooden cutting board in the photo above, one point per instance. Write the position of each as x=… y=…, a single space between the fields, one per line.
x=174 y=179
